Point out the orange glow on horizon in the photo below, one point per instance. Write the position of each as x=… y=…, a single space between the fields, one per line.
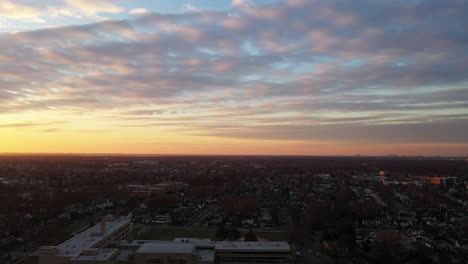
x=130 y=141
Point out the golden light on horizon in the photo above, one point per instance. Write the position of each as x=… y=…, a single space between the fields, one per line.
x=242 y=78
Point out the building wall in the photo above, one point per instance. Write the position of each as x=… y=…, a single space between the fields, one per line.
x=53 y=259
x=164 y=258
x=232 y=257
x=120 y=234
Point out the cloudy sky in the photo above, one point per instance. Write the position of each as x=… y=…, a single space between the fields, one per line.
x=305 y=77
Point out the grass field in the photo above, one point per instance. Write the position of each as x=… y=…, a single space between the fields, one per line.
x=137 y=229
x=169 y=233
x=273 y=236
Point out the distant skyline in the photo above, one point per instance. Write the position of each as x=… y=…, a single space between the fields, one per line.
x=293 y=77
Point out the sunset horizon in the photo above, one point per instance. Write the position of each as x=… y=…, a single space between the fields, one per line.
x=238 y=77
x=233 y=131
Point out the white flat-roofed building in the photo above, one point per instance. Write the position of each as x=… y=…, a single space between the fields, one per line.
x=202 y=251
x=96 y=256
x=205 y=256
x=252 y=252
x=160 y=188
x=96 y=237
x=170 y=253
x=199 y=242
x=168 y=247
x=105 y=243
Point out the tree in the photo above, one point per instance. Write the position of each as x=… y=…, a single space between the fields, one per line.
x=132 y=203
x=388 y=246
x=250 y=236
x=243 y=204
x=233 y=234
x=162 y=201
x=221 y=232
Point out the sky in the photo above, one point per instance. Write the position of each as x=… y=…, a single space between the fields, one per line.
x=292 y=77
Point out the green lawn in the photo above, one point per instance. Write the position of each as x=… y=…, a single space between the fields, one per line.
x=273 y=236
x=137 y=229
x=169 y=233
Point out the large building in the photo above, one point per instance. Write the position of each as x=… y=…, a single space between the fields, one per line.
x=142 y=191
x=252 y=252
x=108 y=243
x=89 y=246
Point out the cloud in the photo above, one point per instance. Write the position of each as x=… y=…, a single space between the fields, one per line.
x=50 y=130
x=139 y=11
x=29 y=124
x=325 y=66
x=40 y=11
x=18 y=125
x=88 y=8
x=438 y=132
x=238 y=2
x=18 y=10
x=191 y=8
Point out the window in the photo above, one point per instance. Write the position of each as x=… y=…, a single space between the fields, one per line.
x=176 y=261
x=154 y=261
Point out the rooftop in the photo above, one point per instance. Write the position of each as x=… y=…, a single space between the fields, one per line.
x=199 y=242
x=255 y=246
x=89 y=237
x=141 y=242
x=206 y=255
x=172 y=247
x=97 y=254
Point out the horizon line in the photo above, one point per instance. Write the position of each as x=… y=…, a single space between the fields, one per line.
x=225 y=155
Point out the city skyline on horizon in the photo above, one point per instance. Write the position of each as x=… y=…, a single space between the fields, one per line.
x=263 y=77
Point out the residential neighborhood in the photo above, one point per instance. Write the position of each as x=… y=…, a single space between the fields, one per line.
x=352 y=210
